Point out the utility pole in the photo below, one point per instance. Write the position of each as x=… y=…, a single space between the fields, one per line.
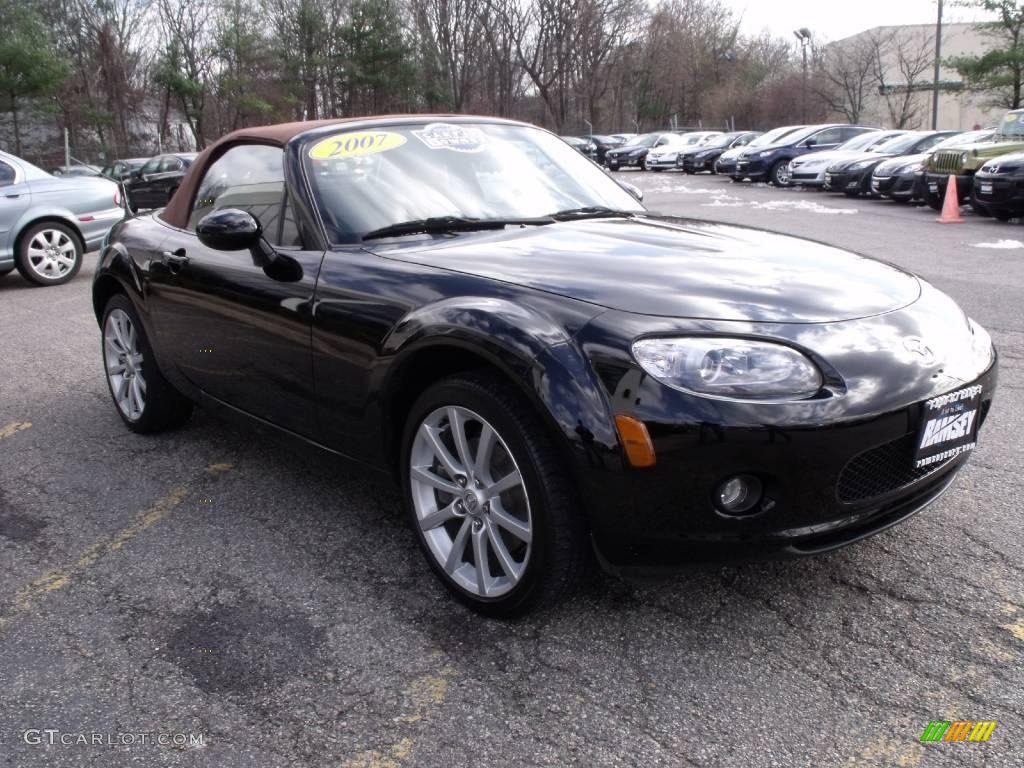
x=804 y=36
x=938 y=62
x=67 y=151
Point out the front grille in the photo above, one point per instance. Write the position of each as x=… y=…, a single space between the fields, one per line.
x=883 y=469
x=946 y=162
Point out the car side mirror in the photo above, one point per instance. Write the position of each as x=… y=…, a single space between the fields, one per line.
x=632 y=189
x=231 y=229
x=811 y=142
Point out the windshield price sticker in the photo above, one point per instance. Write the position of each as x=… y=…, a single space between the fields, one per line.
x=356 y=144
x=458 y=138
x=950 y=426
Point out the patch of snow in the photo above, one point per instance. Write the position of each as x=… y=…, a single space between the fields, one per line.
x=1006 y=245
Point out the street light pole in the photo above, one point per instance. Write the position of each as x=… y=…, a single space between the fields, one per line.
x=804 y=36
x=938 y=62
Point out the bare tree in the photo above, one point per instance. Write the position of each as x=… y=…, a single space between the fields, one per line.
x=899 y=64
x=847 y=75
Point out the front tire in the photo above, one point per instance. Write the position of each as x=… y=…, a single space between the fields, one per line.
x=144 y=399
x=49 y=254
x=488 y=497
x=779 y=175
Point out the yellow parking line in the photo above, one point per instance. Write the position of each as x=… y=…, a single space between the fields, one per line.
x=29 y=596
x=1016 y=629
x=10 y=430
x=423 y=694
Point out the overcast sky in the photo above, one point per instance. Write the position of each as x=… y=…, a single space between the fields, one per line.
x=834 y=20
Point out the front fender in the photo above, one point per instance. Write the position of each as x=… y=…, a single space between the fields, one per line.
x=536 y=352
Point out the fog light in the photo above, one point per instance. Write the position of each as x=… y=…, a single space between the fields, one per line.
x=738 y=494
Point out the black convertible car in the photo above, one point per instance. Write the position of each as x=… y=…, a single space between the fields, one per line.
x=546 y=367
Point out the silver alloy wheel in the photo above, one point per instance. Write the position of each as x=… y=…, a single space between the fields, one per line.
x=470 y=501
x=51 y=254
x=124 y=364
x=783 y=175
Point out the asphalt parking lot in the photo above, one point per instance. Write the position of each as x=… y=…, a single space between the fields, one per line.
x=217 y=582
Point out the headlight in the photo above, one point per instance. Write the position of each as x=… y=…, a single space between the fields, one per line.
x=765 y=154
x=740 y=369
x=636 y=153
x=860 y=166
x=702 y=155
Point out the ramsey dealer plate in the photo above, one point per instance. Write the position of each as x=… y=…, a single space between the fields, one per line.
x=950 y=426
x=985 y=188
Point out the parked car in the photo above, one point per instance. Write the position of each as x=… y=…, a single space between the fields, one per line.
x=546 y=368
x=119 y=170
x=665 y=157
x=998 y=188
x=726 y=164
x=633 y=153
x=704 y=156
x=963 y=162
x=152 y=185
x=852 y=175
x=48 y=222
x=809 y=170
x=772 y=162
x=75 y=170
x=901 y=178
x=582 y=145
x=604 y=143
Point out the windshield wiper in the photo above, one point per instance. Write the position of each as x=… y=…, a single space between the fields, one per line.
x=590 y=211
x=436 y=224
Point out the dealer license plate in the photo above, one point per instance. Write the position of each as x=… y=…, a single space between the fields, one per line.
x=950 y=426
x=985 y=188
x=933 y=187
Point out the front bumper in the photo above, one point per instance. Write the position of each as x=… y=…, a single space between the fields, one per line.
x=834 y=470
x=725 y=167
x=809 y=178
x=691 y=164
x=661 y=163
x=1000 y=193
x=934 y=187
x=749 y=169
x=843 y=181
x=622 y=161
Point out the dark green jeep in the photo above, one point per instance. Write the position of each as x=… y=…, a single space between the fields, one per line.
x=964 y=161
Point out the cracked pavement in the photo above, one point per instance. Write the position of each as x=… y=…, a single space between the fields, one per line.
x=218 y=581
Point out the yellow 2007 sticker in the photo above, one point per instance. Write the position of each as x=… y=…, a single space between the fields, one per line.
x=356 y=144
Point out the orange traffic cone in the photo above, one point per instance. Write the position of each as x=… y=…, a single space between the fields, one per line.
x=950 y=206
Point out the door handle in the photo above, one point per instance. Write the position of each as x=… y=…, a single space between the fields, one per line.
x=174 y=260
x=13 y=194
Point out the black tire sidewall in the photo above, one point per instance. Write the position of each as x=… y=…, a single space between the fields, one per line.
x=472 y=394
x=24 y=266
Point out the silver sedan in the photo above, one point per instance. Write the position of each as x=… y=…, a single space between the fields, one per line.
x=47 y=223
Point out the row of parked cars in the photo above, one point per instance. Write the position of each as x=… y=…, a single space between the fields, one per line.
x=905 y=166
x=49 y=220
x=148 y=182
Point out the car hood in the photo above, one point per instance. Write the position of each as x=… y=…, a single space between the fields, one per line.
x=735 y=152
x=860 y=157
x=625 y=149
x=677 y=268
x=821 y=158
x=892 y=163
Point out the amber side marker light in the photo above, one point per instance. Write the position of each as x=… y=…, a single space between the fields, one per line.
x=639 y=448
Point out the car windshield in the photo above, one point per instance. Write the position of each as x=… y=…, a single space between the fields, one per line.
x=644 y=140
x=800 y=134
x=863 y=141
x=959 y=139
x=900 y=144
x=772 y=136
x=1012 y=125
x=366 y=180
x=722 y=140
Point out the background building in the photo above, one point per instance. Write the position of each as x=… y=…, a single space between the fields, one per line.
x=884 y=76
